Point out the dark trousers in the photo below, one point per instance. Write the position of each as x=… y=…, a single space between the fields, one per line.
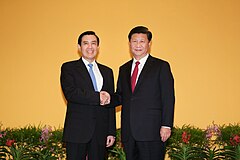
x=93 y=150
x=144 y=150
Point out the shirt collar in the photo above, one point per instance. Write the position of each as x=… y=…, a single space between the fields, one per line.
x=142 y=60
x=86 y=62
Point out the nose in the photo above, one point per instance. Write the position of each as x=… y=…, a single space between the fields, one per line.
x=89 y=45
x=138 y=44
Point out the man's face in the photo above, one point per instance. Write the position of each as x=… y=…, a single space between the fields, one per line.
x=89 y=47
x=139 y=45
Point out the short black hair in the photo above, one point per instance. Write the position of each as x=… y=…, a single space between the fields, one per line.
x=140 y=29
x=87 y=33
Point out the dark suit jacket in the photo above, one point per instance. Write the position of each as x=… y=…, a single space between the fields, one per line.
x=152 y=103
x=84 y=114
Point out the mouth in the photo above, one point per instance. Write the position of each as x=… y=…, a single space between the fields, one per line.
x=138 y=50
x=90 y=51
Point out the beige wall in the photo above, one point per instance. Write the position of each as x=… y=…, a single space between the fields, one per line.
x=200 y=39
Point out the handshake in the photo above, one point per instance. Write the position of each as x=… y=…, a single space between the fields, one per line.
x=104 y=98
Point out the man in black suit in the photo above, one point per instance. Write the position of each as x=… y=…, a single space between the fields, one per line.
x=145 y=89
x=90 y=120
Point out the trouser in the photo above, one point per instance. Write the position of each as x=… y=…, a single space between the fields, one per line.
x=144 y=150
x=93 y=150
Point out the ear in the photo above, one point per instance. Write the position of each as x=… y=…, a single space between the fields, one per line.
x=79 y=47
x=150 y=43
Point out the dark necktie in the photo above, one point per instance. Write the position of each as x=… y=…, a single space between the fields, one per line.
x=92 y=76
x=134 y=75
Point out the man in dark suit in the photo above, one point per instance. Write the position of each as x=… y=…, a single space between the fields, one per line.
x=90 y=120
x=145 y=89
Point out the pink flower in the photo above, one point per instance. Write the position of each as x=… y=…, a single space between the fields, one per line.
x=2 y=135
x=10 y=142
x=208 y=135
x=213 y=131
x=46 y=134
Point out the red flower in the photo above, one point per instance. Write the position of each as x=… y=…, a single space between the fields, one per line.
x=235 y=140
x=185 y=137
x=10 y=142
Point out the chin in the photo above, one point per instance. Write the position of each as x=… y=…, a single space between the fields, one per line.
x=138 y=53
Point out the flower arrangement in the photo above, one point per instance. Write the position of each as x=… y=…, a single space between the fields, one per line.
x=186 y=143
x=216 y=142
x=31 y=142
x=230 y=140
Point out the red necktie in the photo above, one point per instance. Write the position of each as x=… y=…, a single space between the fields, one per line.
x=134 y=75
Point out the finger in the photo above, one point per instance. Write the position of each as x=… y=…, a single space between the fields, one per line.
x=107 y=102
x=111 y=141
x=163 y=138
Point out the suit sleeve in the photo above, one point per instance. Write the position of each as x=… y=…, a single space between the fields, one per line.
x=116 y=97
x=74 y=94
x=112 y=113
x=167 y=92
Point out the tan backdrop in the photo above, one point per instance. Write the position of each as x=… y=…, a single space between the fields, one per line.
x=200 y=39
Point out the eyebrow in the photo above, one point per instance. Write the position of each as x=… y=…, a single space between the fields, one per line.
x=95 y=41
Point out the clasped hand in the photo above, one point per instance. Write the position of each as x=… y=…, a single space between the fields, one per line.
x=104 y=98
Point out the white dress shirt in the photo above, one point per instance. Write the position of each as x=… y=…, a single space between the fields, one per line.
x=96 y=72
x=140 y=66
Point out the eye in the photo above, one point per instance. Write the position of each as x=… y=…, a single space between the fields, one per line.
x=84 y=43
x=94 y=42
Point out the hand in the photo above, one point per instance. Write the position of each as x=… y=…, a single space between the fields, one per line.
x=110 y=141
x=165 y=133
x=104 y=98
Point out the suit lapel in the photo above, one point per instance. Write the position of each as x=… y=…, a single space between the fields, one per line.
x=146 y=68
x=128 y=71
x=102 y=73
x=84 y=72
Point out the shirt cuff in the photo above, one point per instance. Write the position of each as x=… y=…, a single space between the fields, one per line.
x=166 y=127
